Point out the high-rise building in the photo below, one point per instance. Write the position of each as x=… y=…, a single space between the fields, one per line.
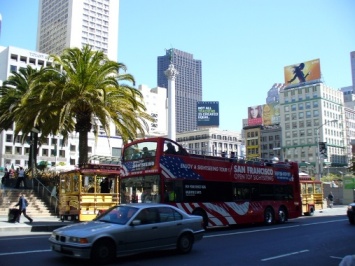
x=69 y=23
x=352 y=61
x=188 y=86
x=311 y=115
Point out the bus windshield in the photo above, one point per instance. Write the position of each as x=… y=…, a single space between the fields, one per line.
x=139 y=151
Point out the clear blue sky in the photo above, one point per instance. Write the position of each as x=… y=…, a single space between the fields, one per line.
x=244 y=45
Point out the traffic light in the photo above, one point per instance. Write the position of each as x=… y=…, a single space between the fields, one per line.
x=323 y=150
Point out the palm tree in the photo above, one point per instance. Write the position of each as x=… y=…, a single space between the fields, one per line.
x=83 y=90
x=12 y=93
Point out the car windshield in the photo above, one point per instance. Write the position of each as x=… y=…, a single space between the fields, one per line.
x=118 y=215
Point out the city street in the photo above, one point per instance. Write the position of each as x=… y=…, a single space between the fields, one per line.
x=319 y=240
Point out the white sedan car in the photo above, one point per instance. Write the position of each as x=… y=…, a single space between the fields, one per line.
x=128 y=229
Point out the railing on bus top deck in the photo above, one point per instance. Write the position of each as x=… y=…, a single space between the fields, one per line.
x=241 y=160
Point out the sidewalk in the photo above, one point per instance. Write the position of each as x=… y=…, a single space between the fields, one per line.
x=42 y=224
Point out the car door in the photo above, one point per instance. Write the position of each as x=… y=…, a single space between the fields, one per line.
x=146 y=235
x=170 y=226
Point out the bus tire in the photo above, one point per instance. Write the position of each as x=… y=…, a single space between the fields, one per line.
x=202 y=213
x=282 y=215
x=269 y=217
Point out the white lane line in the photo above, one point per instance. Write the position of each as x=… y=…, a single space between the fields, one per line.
x=285 y=255
x=25 y=252
x=268 y=229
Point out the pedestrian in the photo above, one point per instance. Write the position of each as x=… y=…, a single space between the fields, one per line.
x=20 y=178
x=330 y=199
x=22 y=203
x=105 y=186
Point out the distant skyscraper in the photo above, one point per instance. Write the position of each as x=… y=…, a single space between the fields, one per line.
x=69 y=23
x=352 y=60
x=188 y=86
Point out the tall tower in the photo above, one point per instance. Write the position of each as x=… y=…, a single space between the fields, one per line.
x=188 y=86
x=70 y=23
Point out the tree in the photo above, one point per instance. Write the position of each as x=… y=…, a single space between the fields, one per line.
x=83 y=89
x=12 y=93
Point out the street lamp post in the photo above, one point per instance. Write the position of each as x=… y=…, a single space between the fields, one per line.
x=318 y=146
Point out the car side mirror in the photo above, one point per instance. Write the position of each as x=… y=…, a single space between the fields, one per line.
x=136 y=222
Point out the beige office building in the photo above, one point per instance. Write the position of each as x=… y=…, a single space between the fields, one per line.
x=75 y=23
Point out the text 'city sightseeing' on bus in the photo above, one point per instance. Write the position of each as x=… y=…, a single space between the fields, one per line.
x=224 y=191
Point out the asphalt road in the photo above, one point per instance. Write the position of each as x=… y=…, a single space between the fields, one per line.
x=319 y=240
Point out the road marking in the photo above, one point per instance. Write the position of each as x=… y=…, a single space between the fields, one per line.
x=285 y=255
x=269 y=229
x=6 y=238
x=24 y=252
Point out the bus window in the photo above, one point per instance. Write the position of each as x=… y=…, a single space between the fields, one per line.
x=139 y=189
x=140 y=151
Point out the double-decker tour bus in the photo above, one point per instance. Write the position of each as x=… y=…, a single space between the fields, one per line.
x=311 y=194
x=87 y=191
x=224 y=191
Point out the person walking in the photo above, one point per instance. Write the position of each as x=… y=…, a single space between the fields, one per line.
x=20 y=178
x=22 y=203
x=330 y=199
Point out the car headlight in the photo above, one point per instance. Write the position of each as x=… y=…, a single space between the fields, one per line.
x=80 y=240
x=350 y=208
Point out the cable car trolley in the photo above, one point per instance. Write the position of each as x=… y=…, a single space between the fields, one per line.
x=87 y=191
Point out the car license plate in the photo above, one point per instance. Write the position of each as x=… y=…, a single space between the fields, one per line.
x=57 y=247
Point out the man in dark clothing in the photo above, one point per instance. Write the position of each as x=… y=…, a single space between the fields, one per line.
x=330 y=199
x=22 y=203
x=105 y=186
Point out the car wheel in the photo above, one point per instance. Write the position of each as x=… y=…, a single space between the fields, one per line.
x=268 y=216
x=351 y=219
x=282 y=215
x=103 y=251
x=184 y=244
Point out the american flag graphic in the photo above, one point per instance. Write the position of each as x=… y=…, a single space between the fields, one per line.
x=172 y=167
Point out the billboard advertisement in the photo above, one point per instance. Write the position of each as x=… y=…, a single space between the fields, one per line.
x=255 y=115
x=302 y=72
x=271 y=114
x=207 y=114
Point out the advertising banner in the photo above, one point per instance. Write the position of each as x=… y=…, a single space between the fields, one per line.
x=271 y=114
x=302 y=72
x=207 y=114
x=255 y=115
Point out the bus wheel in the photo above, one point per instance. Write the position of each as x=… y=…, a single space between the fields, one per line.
x=200 y=212
x=268 y=216
x=282 y=215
